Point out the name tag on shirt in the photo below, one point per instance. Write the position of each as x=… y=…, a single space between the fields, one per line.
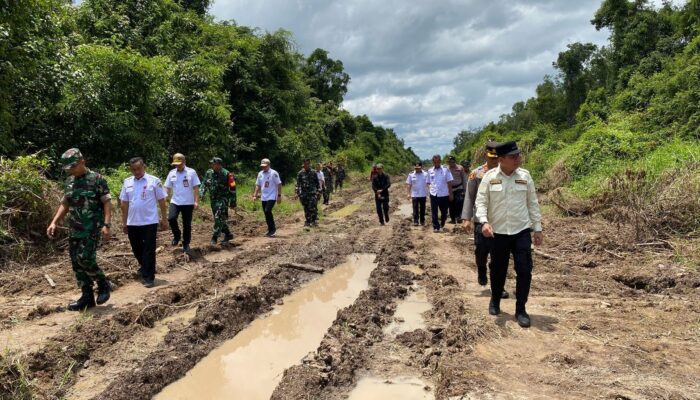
x=521 y=181
x=495 y=181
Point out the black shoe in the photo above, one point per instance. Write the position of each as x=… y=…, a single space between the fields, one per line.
x=87 y=300
x=175 y=242
x=213 y=240
x=523 y=319
x=483 y=280
x=271 y=234
x=386 y=218
x=505 y=295
x=314 y=224
x=103 y=290
x=453 y=222
x=381 y=223
x=415 y=224
x=186 y=248
x=436 y=230
x=227 y=238
x=494 y=309
x=149 y=283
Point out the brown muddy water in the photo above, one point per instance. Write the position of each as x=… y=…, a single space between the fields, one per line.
x=409 y=313
x=249 y=366
x=405 y=210
x=403 y=388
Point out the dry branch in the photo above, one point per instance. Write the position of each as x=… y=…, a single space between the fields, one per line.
x=303 y=267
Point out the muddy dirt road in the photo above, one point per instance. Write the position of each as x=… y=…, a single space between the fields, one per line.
x=396 y=313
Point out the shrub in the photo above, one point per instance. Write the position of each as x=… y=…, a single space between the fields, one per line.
x=27 y=199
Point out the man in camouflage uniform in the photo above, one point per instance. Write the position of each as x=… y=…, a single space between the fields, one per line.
x=221 y=185
x=307 y=189
x=87 y=201
x=339 y=177
x=482 y=244
x=328 y=175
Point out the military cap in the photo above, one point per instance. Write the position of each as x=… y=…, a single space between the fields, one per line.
x=216 y=160
x=380 y=165
x=71 y=158
x=451 y=158
x=507 y=148
x=491 y=149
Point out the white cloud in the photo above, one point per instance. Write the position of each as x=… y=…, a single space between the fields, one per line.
x=430 y=69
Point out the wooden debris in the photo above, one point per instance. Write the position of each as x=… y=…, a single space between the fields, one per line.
x=303 y=267
x=545 y=255
x=51 y=282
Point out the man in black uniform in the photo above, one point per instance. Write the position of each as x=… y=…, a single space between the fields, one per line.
x=380 y=186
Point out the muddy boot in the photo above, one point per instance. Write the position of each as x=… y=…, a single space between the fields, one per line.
x=213 y=240
x=227 y=238
x=87 y=300
x=103 y=290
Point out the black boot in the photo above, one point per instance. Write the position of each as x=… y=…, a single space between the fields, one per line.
x=103 y=290
x=482 y=279
x=494 y=307
x=523 y=319
x=227 y=237
x=87 y=300
x=213 y=240
x=505 y=294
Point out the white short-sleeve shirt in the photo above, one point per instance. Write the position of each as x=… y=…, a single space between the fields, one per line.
x=438 y=179
x=418 y=184
x=143 y=196
x=268 y=181
x=182 y=185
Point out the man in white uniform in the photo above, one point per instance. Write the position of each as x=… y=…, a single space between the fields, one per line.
x=268 y=186
x=507 y=208
x=140 y=196
x=440 y=181
x=182 y=184
x=417 y=192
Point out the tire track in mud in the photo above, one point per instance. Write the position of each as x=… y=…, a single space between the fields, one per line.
x=52 y=369
x=349 y=342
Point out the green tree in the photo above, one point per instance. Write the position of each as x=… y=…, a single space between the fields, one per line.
x=573 y=65
x=326 y=77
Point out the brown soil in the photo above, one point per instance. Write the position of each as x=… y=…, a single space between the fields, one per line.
x=611 y=318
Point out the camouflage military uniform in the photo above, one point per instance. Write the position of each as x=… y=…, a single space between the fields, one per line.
x=339 y=177
x=307 y=190
x=328 y=176
x=222 y=191
x=84 y=196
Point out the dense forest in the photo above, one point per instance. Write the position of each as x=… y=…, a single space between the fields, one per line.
x=153 y=77
x=617 y=121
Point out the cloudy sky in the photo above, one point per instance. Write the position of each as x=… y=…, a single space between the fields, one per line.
x=429 y=69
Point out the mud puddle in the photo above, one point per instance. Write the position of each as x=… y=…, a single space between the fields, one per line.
x=404 y=210
x=250 y=365
x=345 y=211
x=403 y=388
x=409 y=313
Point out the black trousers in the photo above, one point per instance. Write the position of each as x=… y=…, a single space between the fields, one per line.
x=456 y=205
x=418 y=210
x=382 y=208
x=482 y=247
x=502 y=246
x=173 y=212
x=442 y=203
x=143 y=245
x=269 y=218
x=338 y=184
x=326 y=196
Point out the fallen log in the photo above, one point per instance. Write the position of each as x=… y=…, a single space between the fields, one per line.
x=303 y=267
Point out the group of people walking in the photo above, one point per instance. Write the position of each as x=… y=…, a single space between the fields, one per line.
x=497 y=202
x=143 y=201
